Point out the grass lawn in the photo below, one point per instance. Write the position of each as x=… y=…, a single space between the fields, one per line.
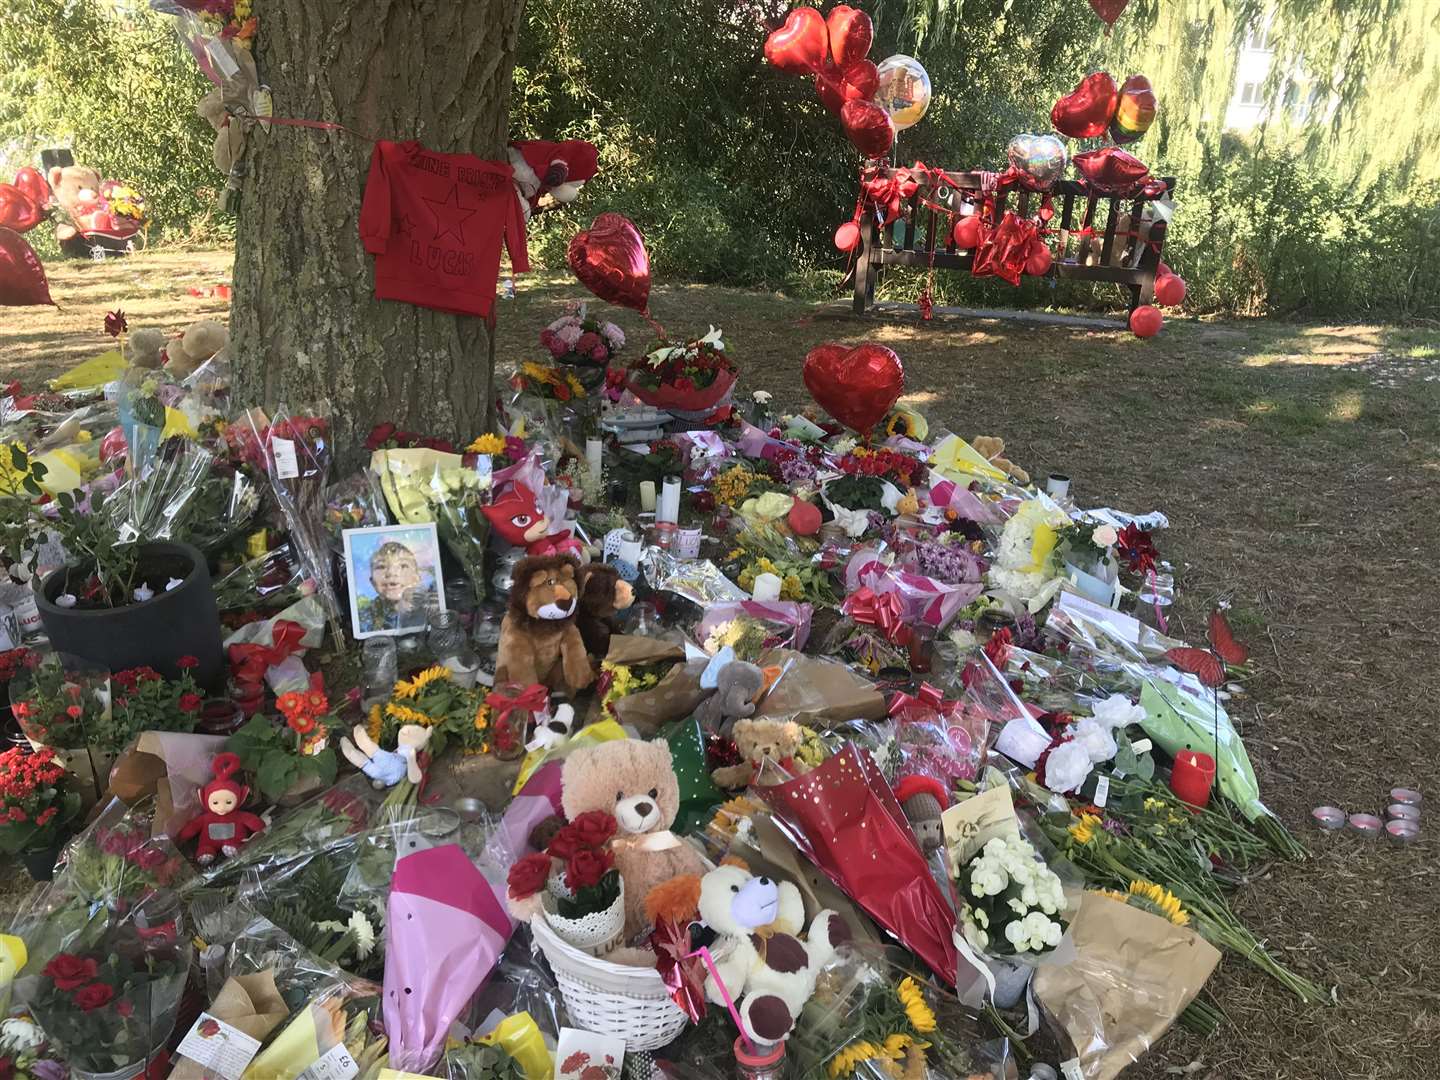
x=1300 y=469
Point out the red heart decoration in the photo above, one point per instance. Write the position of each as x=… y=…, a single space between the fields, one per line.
x=858 y=82
x=856 y=386
x=1108 y=10
x=850 y=33
x=1112 y=171
x=17 y=210
x=22 y=278
x=1086 y=111
x=30 y=181
x=868 y=128
x=610 y=260
x=799 y=46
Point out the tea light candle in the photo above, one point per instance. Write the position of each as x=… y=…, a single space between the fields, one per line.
x=1192 y=776
x=767 y=587
x=647 y=496
x=1405 y=795
x=594 y=449
x=1057 y=485
x=1367 y=825
x=1401 y=831
x=1328 y=818
x=669 y=509
x=1402 y=812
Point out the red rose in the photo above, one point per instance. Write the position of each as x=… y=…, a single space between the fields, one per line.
x=190 y=702
x=150 y=859
x=185 y=663
x=565 y=843
x=94 y=996
x=594 y=828
x=587 y=868
x=124 y=1008
x=587 y=342
x=528 y=876
x=68 y=971
x=74 y=712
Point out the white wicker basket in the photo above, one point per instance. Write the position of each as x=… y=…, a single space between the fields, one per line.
x=615 y=999
x=597 y=933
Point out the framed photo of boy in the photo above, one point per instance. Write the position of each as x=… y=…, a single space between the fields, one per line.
x=394 y=573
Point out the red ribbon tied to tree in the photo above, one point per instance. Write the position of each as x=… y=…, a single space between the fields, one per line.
x=249 y=661
x=880 y=610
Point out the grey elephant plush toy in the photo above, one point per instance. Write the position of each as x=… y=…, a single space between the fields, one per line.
x=736 y=687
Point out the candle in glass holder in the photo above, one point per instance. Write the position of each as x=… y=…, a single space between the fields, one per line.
x=647 y=496
x=1192 y=777
x=669 y=508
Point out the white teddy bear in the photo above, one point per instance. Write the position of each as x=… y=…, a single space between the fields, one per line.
x=769 y=972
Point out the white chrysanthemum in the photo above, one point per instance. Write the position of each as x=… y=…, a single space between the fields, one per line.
x=1067 y=767
x=364 y=934
x=1118 y=711
x=1095 y=737
x=21 y=1035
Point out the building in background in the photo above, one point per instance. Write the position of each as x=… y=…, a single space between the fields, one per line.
x=1299 y=99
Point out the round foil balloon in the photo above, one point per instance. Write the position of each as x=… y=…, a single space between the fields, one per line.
x=1135 y=112
x=610 y=260
x=1039 y=159
x=903 y=90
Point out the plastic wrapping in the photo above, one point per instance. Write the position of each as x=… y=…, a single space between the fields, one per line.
x=938 y=738
x=752 y=626
x=227 y=504
x=159 y=490
x=275 y=579
x=697 y=580
x=355 y=502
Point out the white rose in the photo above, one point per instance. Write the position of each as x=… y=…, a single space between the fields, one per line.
x=1118 y=711
x=1095 y=737
x=1104 y=536
x=20 y=1035
x=1067 y=767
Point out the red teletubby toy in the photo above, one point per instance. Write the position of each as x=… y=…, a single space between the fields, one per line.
x=223 y=827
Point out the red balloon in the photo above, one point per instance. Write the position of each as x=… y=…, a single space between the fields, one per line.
x=799 y=46
x=847 y=236
x=868 y=127
x=610 y=260
x=804 y=518
x=22 y=278
x=858 y=82
x=1037 y=263
x=1109 y=10
x=1112 y=171
x=855 y=386
x=17 y=210
x=1169 y=290
x=967 y=232
x=1086 y=111
x=1146 y=321
x=851 y=33
x=1162 y=269
x=31 y=181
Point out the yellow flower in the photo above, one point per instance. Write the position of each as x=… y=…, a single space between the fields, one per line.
x=1083 y=831
x=376 y=723
x=407 y=715
x=407 y=690
x=1161 y=900
x=843 y=1063
x=921 y=1016
x=792 y=588
x=486 y=444
x=482 y=718
x=897 y=1045
x=576 y=388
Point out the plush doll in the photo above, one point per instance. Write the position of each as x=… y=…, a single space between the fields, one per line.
x=991 y=447
x=539 y=642
x=758 y=740
x=223 y=828
x=635 y=782
x=737 y=686
x=923 y=800
x=386 y=768
x=516 y=518
x=74 y=187
x=602 y=595
x=551 y=169
x=552 y=729
x=145 y=348
x=200 y=342
x=767 y=970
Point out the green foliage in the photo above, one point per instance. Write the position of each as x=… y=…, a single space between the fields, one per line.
x=269 y=752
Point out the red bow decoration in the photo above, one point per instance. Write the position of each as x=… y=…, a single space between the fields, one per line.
x=928 y=698
x=534 y=698
x=890 y=191
x=869 y=608
x=682 y=972
x=250 y=661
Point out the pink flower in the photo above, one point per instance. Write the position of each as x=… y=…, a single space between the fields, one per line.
x=598 y=353
x=557 y=347
x=588 y=341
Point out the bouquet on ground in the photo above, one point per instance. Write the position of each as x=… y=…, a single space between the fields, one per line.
x=144 y=700
x=118 y=862
x=580 y=341
x=1014 y=903
x=64 y=704
x=583 y=896
x=28 y=1051
x=36 y=802
x=432 y=699
x=298 y=754
x=690 y=378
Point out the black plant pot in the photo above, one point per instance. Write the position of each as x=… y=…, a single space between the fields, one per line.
x=40 y=862
x=158 y=632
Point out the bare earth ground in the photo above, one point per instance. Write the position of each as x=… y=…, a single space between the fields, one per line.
x=1300 y=469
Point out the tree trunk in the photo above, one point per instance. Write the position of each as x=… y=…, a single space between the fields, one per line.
x=305 y=322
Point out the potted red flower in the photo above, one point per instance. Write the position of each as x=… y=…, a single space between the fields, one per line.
x=37 y=804
x=691 y=378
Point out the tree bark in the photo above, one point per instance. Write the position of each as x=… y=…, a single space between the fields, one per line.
x=305 y=322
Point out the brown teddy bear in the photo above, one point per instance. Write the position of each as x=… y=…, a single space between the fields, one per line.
x=75 y=187
x=197 y=345
x=991 y=448
x=145 y=348
x=758 y=739
x=539 y=641
x=602 y=594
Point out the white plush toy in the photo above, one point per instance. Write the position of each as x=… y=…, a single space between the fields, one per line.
x=551 y=730
x=769 y=972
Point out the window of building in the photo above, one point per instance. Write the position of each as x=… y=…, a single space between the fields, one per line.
x=1250 y=93
x=1257 y=38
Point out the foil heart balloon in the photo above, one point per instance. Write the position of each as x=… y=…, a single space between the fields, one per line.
x=851 y=33
x=856 y=386
x=868 y=128
x=1085 y=112
x=1112 y=171
x=22 y=278
x=1108 y=10
x=1038 y=160
x=30 y=181
x=1135 y=112
x=17 y=210
x=610 y=260
x=799 y=46
x=857 y=82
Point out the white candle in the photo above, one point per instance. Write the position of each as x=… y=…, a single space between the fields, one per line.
x=647 y=496
x=669 y=501
x=767 y=587
x=1057 y=485
x=593 y=449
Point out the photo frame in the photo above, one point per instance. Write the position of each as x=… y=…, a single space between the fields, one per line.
x=394 y=579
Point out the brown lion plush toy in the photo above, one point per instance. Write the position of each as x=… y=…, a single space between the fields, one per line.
x=539 y=642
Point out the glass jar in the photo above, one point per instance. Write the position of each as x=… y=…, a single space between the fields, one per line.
x=445 y=637
x=380 y=667
x=759 y=1062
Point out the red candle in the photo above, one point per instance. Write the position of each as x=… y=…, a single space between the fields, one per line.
x=1192 y=777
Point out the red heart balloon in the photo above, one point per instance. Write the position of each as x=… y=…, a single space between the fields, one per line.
x=858 y=82
x=1112 y=171
x=610 y=260
x=799 y=46
x=1169 y=290
x=855 y=386
x=868 y=128
x=851 y=33
x=33 y=183
x=22 y=278
x=1108 y=10
x=1146 y=321
x=17 y=210
x=1085 y=112
x=967 y=232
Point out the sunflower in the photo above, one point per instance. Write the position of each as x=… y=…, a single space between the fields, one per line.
x=376 y=722
x=1083 y=831
x=898 y=1045
x=920 y=1015
x=407 y=715
x=487 y=444
x=1159 y=900
x=409 y=689
x=843 y=1063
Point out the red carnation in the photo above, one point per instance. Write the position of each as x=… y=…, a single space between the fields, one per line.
x=565 y=843
x=586 y=868
x=185 y=663
x=68 y=971
x=190 y=702
x=94 y=996
x=528 y=876
x=594 y=828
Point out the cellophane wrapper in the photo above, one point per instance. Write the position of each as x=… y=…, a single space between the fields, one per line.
x=786 y=623
x=162 y=479
x=273 y=580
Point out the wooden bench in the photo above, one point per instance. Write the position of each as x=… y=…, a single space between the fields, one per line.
x=1126 y=251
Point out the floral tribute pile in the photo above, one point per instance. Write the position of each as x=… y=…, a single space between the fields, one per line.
x=824 y=749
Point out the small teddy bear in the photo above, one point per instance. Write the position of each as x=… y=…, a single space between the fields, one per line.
x=222 y=827
x=922 y=799
x=760 y=739
x=764 y=966
x=737 y=686
x=145 y=348
x=386 y=768
x=200 y=342
x=991 y=448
